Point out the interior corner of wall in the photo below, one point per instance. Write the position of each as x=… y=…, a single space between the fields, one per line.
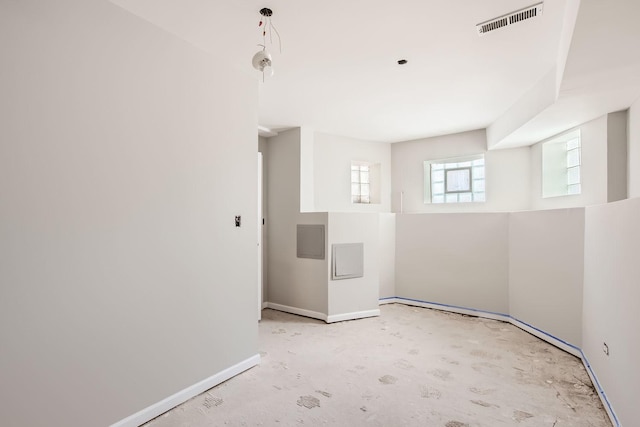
x=307 y=183
x=533 y=102
x=566 y=35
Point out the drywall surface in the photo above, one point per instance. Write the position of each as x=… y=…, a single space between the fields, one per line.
x=617 y=156
x=356 y=294
x=593 y=170
x=332 y=156
x=633 y=153
x=293 y=282
x=120 y=265
x=546 y=263
x=507 y=173
x=458 y=259
x=611 y=295
x=387 y=254
x=307 y=178
x=262 y=223
x=533 y=102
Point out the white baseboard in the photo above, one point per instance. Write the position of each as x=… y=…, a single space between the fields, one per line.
x=265 y=305
x=449 y=308
x=352 y=316
x=298 y=311
x=601 y=394
x=321 y=316
x=182 y=396
x=562 y=345
x=557 y=342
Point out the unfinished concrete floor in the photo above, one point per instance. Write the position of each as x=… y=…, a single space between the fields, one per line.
x=409 y=367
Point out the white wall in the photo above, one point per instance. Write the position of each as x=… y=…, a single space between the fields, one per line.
x=593 y=170
x=332 y=158
x=507 y=173
x=307 y=167
x=359 y=294
x=457 y=259
x=120 y=265
x=387 y=255
x=611 y=295
x=263 y=148
x=294 y=282
x=305 y=284
x=633 y=160
x=546 y=271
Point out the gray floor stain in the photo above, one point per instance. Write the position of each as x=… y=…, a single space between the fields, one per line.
x=484 y=355
x=388 y=379
x=324 y=393
x=480 y=367
x=309 y=402
x=481 y=391
x=368 y=396
x=521 y=415
x=456 y=424
x=430 y=392
x=450 y=361
x=403 y=364
x=279 y=331
x=414 y=351
x=441 y=373
x=212 y=402
x=483 y=403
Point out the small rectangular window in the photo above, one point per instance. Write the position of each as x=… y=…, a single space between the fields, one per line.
x=360 y=184
x=365 y=182
x=458 y=180
x=561 y=165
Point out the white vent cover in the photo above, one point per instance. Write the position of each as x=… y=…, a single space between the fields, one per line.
x=510 y=19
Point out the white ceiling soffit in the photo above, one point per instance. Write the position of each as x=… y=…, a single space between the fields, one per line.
x=338 y=70
x=266 y=132
x=602 y=75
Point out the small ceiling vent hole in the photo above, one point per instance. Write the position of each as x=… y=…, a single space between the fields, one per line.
x=509 y=19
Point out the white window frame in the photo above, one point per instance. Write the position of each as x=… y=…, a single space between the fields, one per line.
x=358 y=171
x=561 y=164
x=469 y=169
x=477 y=168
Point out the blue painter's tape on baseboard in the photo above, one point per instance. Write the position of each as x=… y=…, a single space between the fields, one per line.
x=546 y=333
x=585 y=361
x=450 y=306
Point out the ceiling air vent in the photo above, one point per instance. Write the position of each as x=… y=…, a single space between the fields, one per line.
x=509 y=19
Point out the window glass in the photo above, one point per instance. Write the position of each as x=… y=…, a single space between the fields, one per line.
x=561 y=164
x=459 y=180
x=365 y=183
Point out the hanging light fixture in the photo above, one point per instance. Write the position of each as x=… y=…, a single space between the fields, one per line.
x=262 y=60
